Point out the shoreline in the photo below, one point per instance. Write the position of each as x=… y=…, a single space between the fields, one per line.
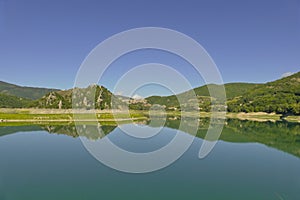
x=72 y=120
x=66 y=115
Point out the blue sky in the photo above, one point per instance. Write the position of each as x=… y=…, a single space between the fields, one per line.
x=43 y=43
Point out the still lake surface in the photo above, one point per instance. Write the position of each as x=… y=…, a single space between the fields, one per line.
x=252 y=160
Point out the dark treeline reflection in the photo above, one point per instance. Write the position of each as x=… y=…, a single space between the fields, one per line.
x=281 y=135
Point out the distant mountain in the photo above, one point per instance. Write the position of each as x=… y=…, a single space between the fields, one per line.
x=281 y=96
x=24 y=92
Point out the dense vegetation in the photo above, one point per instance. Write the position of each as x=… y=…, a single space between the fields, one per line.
x=203 y=95
x=24 y=92
x=9 y=101
x=281 y=96
x=232 y=89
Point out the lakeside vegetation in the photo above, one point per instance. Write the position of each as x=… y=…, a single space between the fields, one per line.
x=14 y=115
x=54 y=115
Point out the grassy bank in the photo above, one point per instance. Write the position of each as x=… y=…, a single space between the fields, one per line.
x=63 y=116
x=34 y=116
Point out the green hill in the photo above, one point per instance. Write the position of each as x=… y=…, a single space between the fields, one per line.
x=203 y=96
x=10 y=101
x=232 y=89
x=281 y=96
x=24 y=92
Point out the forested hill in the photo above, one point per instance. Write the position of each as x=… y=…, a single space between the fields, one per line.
x=281 y=96
x=24 y=92
x=232 y=90
x=10 y=101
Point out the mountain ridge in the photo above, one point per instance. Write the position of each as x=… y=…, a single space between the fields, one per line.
x=279 y=96
x=24 y=91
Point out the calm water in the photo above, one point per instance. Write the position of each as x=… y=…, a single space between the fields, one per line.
x=252 y=160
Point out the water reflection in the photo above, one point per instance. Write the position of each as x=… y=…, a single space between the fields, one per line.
x=91 y=132
x=283 y=136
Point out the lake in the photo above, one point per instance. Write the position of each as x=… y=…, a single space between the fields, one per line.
x=252 y=160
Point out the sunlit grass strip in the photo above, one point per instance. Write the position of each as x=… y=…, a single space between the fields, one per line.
x=10 y=117
x=293 y=119
x=60 y=123
x=22 y=116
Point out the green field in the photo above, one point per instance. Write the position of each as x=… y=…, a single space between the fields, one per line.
x=33 y=116
x=27 y=116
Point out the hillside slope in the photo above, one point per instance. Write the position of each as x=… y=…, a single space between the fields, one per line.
x=10 y=101
x=94 y=96
x=203 y=96
x=24 y=92
x=281 y=96
x=232 y=89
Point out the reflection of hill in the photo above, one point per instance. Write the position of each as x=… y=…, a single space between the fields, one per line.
x=280 y=135
x=89 y=131
x=6 y=130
